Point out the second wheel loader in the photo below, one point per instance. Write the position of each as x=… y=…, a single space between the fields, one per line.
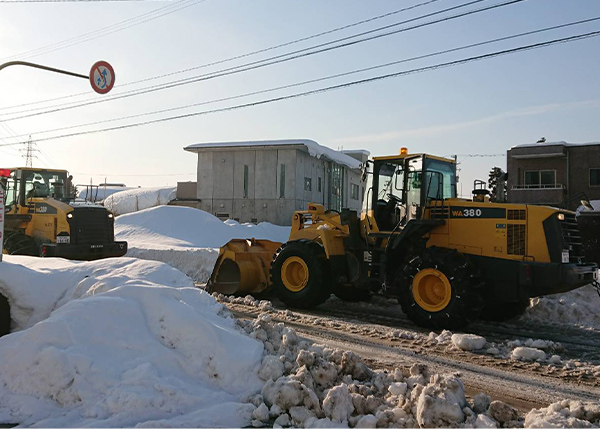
x=447 y=260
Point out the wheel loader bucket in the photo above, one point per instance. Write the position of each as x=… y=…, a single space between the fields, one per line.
x=243 y=267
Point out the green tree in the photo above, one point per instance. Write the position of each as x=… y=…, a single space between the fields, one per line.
x=497 y=179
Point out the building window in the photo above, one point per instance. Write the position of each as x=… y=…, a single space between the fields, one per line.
x=594 y=176
x=245 y=181
x=540 y=179
x=282 y=181
x=319 y=184
x=354 y=191
x=336 y=190
x=307 y=184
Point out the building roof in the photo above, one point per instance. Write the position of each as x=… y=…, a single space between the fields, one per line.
x=560 y=143
x=312 y=147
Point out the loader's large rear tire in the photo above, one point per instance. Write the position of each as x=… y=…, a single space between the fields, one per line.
x=21 y=244
x=500 y=312
x=440 y=289
x=300 y=274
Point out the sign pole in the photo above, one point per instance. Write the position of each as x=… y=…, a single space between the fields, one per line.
x=1 y=219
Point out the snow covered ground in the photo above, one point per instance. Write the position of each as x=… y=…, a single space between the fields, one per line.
x=131 y=343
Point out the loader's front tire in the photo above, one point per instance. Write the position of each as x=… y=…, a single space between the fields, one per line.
x=440 y=289
x=21 y=244
x=300 y=274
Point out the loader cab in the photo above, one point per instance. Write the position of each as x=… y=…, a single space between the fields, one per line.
x=399 y=187
x=24 y=184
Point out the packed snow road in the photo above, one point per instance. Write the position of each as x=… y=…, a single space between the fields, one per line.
x=525 y=364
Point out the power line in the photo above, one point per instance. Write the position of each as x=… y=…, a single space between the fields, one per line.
x=279 y=58
x=242 y=55
x=341 y=86
x=74 y=1
x=514 y=36
x=101 y=32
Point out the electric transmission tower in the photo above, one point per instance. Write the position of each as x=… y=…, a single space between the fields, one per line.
x=29 y=150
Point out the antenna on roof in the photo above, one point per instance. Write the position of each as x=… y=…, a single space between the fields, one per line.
x=542 y=140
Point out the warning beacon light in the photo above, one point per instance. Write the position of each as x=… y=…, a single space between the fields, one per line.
x=403 y=151
x=4 y=172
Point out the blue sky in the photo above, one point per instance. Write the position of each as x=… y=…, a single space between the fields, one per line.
x=479 y=108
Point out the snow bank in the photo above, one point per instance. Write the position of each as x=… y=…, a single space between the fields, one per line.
x=134 y=200
x=130 y=343
x=468 y=341
x=186 y=238
x=312 y=385
x=120 y=342
x=563 y=414
x=578 y=307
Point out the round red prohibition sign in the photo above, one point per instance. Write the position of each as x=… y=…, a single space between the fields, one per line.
x=102 y=77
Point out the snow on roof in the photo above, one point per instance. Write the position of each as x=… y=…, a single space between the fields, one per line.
x=559 y=143
x=314 y=149
x=361 y=151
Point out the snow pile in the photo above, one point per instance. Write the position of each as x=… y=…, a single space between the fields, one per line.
x=124 y=342
x=578 y=307
x=468 y=341
x=312 y=385
x=186 y=238
x=119 y=343
x=137 y=199
x=528 y=354
x=567 y=413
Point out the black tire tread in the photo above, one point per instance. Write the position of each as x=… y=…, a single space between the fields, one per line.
x=20 y=244
x=466 y=303
x=318 y=289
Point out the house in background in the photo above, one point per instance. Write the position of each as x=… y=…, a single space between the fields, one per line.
x=259 y=181
x=553 y=173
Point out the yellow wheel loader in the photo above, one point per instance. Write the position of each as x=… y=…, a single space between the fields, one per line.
x=447 y=260
x=42 y=218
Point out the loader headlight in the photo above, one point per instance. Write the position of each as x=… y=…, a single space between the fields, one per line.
x=110 y=216
x=561 y=216
x=69 y=215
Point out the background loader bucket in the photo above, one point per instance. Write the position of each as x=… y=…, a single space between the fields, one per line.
x=243 y=267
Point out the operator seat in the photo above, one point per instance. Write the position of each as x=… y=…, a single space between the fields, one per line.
x=40 y=190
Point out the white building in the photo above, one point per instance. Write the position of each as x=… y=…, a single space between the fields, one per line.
x=260 y=181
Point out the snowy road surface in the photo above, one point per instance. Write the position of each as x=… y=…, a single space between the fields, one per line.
x=378 y=332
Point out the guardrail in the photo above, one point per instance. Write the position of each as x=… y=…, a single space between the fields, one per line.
x=554 y=186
